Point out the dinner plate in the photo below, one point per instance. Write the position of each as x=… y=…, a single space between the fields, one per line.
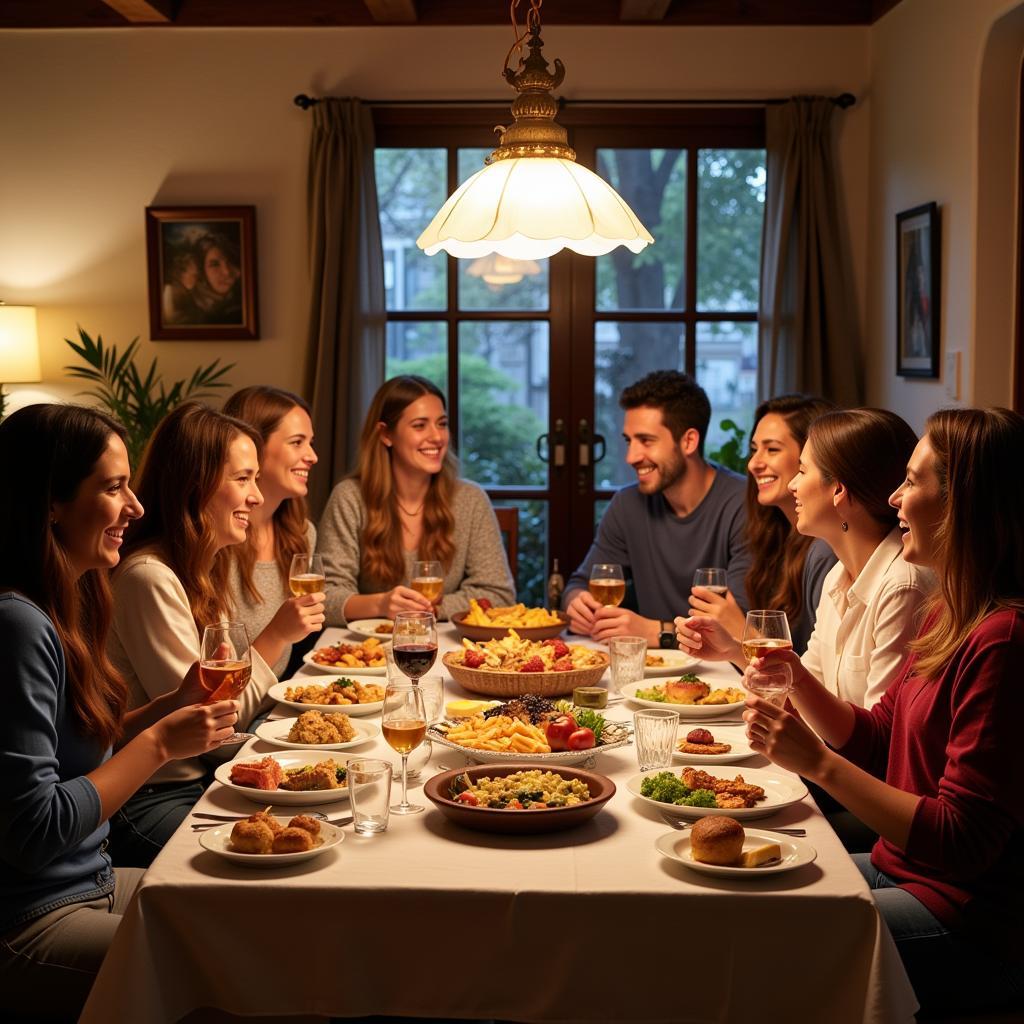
x=676 y=663
x=795 y=854
x=218 y=840
x=278 y=690
x=687 y=712
x=734 y=735
x=368 y=628
x=276 y=733
x=780 y=789
x=283 y=797
x=343 y=670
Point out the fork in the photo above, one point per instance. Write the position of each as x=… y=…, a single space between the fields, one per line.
x=202 y=826
x=678 y=823
x=239 y=817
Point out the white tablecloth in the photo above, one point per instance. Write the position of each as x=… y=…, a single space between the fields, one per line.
x=432 y=920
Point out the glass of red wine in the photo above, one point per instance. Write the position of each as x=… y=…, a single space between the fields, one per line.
x=414 y=643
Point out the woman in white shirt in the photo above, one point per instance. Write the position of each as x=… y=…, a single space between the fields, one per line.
x=198 y=485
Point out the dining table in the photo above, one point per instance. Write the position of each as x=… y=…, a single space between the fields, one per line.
x=431 y=920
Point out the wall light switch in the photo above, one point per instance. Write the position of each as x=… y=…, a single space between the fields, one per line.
x=952 y=375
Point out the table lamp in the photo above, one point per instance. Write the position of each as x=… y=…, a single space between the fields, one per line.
x=19 y=347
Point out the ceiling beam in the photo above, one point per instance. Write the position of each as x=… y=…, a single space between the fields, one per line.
x=145 y=12
x=643 y=10
x=392 y=12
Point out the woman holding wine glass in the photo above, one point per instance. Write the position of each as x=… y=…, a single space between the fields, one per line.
x=62 y=519
x=267 y=572
x=405 y=503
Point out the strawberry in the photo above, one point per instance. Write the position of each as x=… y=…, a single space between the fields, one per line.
x=473 y=659
x=535 y=664
x=563 y=665
x=559 y=647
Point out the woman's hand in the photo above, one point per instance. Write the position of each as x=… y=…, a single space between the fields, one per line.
x=784 y=739
x=722 y=607
x=191 y=690
x=403 y=599
x=802 y=679
x=297 y=618
x=191 y=731
x=707 y=638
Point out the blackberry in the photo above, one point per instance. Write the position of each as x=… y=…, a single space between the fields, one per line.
x=531 y=707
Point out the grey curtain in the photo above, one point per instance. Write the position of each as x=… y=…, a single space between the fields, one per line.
x=808 y=336
x=347 y=320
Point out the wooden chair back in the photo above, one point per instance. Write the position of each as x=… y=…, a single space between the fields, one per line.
x=508 y=523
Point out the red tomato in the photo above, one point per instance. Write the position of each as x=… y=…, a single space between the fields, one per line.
x=468 y=798
x=559 y=730
x=514 y=805
x=581 y=739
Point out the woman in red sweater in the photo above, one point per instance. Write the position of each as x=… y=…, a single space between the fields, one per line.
x=936 y=768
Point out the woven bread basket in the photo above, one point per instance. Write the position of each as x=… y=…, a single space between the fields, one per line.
x=490 y=683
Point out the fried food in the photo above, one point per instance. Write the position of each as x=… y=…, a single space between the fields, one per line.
x=267 y=819
x=689 y=689
x=304 y=821
x=517 y=616
x=263 y=774
x=317 y=728
x=336 y=694
x=729 y=793
x=322 y=775
x=368 y=654
x=292 y=840
x=385 y=627
x=728 y=695
x=654 y=661
x=501 y=733
x=700 y=741
x=249 y=836
x=686 y=690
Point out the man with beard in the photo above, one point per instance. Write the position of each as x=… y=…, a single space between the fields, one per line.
x=682 y=514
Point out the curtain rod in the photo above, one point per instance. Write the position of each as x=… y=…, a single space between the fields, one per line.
x=843 y=100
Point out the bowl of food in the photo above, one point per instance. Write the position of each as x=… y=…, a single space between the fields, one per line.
x=519 y=798
x=486 y=622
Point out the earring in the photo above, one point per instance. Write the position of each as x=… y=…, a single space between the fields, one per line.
x=846 y=526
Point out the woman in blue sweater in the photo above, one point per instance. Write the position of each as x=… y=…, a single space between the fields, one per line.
x=63 y=511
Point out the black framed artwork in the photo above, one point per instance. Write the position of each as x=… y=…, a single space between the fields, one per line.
x=918 y=262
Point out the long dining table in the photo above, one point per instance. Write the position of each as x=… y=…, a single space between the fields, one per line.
x=431 y=920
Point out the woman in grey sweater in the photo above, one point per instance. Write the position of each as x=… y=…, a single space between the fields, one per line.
x=405 y=502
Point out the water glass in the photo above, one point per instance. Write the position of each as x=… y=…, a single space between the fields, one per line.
x=432 y=688
x=655 y=731
x=628 y=655
x=369 y=790
x=774 y=682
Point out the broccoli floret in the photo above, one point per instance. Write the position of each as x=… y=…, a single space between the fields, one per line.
x=664 y=787
x=699 y=798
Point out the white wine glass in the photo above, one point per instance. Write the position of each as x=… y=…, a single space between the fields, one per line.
x=404 y=724
x=306 y=575
x=766 y=630
x=774 y=682
x=428 y=579
x=607 y=584
x=225 y=666
x=712 y=579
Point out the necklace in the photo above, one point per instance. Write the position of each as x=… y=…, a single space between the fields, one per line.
x=415 y=512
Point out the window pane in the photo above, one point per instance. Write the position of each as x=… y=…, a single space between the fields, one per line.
x=503 y=401
x=730 y=209
x=653 y=182
x=418 y=348
x=727 y=370
x=410 y=190
x=533 y=550
x=623 y=353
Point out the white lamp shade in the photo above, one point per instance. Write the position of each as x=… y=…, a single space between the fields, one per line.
x=19 y=345
x=529 y=208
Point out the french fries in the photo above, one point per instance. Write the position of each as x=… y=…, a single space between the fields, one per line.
x=501 y=733
x=516 y=615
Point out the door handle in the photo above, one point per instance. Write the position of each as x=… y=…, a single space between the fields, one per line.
x=551 y=447
x=592 y=447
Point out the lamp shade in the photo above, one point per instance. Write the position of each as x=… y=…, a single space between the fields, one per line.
x=529 y=208
x=19 y=345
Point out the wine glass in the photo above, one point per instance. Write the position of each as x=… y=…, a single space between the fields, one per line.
x=404 y=724
x=712 y=579
x=414 y=643
x=225 y=666
x=774 y=682
x=306 y=575
x=607 y=584
x=428 y=580
x=765 y=630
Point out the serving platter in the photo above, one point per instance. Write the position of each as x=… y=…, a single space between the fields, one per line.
x=795 y=854
x=368 y=628
x=275 y=732
x=218 y=840
x=278 y=690
x=342 y=670
x=283 y=797
x=436 y=734
x=493 y=683
x=473 y=632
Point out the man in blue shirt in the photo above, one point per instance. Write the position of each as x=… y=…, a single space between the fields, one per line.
x=682 y=514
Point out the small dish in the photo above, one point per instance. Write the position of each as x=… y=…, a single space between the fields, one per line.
x=276 y=734
x=795 y=854
x=218 y=840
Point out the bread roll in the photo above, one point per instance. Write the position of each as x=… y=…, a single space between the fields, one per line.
x=716 y=840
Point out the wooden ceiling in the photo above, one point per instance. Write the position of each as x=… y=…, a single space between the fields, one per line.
x=320 y=13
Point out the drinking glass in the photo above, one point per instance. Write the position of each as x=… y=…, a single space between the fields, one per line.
x=432 y=688
x=774 y=682
x=607 y=584
x=404 y=724
x=765 y=630
x=713 y=579
x=306 y=575
x=627 y=655
x=414 y=643
x=225 y=666
x=369 y=790
x=428 y=580
x=655 y=731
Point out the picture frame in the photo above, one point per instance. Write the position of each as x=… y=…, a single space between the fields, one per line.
x=918 y=265
x=201 y=273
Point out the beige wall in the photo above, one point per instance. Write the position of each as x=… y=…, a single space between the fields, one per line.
x=944 y=97
x=96 y=125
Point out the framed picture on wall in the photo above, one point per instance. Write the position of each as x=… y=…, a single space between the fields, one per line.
x=918 y=259
x=202 y=273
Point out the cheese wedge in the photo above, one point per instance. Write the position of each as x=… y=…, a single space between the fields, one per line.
x=466 y=708
x=759 y=855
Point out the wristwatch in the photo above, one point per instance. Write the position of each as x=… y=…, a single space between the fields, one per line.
x=667 y=637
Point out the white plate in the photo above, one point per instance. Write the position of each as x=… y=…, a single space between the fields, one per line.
x=217 y=840
x=342 y=670
x=795 y=854
x=368 y=628
x=278 y=690
x=500 y=757
x=276 y=733
x=676 y=663
x=780 y=788
x=283 y=797
x=687 y=712
x=734 y=735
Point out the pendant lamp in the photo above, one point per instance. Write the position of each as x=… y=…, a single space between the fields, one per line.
x=532 y=199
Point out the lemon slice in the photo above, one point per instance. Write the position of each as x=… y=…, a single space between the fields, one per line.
x=467 y=708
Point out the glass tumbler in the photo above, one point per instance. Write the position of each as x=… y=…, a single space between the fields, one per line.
x=655 y=731
x=627 y=655
x=369 y=790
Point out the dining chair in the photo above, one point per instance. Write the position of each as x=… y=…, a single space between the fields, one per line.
x=508 y=523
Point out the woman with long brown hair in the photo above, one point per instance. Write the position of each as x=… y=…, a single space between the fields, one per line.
x=787 y=568
x=935 y=768
x=198 y=484
x=405 y=502
x=278 y=529
x=63 y=513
